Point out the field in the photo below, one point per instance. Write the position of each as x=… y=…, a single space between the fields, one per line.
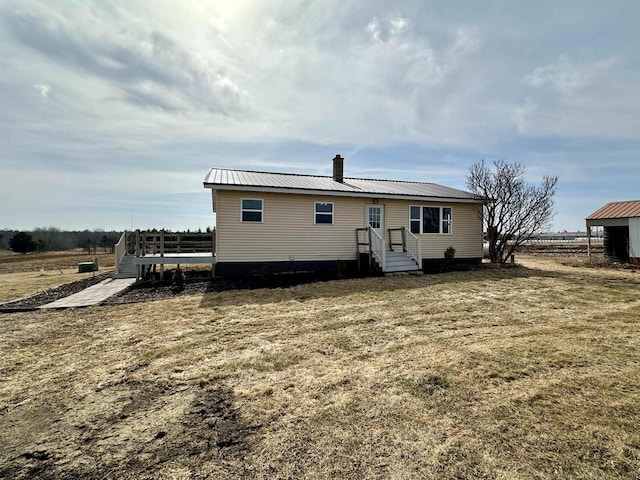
x=522 y=373
x=20 y=275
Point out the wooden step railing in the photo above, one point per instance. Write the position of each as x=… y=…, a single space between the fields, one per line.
x=374 y=244
x=408 y=241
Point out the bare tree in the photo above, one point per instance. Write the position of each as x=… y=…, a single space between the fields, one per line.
x=514 y=211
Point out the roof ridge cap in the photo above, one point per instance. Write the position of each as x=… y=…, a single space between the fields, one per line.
x=330 y=176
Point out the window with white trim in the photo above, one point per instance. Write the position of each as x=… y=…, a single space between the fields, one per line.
x=324 y=212
x=251 y=210
x=414 y=218
x=428 y=219
x=446 y=220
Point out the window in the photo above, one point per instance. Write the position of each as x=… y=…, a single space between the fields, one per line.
x=324 y=212
x=414 y=218
x=430 y=220
x=446 y=219
x=375 y=216
x=423 y=219
x=251 y=210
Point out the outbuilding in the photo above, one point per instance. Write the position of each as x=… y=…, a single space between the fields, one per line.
x=621 y=224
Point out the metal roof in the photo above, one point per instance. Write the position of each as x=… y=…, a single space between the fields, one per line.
x=617 y=210
x=228 y=179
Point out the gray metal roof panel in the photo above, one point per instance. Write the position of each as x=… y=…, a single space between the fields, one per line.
x=246 y=178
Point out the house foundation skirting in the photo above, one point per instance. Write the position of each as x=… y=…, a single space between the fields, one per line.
x=246 y=269
x=435 y=265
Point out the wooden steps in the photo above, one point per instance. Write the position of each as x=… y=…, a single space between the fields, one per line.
x=399 y=262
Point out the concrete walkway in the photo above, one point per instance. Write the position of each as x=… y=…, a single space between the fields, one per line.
x=92 y=295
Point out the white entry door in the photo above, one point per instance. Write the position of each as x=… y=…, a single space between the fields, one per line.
x=375 y=218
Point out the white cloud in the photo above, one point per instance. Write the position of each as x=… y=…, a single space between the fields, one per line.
x=43 y=89
x=567 y=98
x=522 y=114
x=192 y=84
x=567 y=77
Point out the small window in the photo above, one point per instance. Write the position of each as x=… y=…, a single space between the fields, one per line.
x=324 y=212
x=430 y=220
x=251 y=210
x=375 y=216
x=446 y=219
x=414 y=219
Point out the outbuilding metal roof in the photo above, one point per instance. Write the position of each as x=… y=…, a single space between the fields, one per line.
x=227 y=179
x=617 y=210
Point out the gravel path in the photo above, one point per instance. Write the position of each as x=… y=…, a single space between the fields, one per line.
x=53 y=294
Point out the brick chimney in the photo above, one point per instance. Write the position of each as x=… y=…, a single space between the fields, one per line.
x=338 y=169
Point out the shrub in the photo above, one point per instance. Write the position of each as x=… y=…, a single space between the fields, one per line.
x=178 y=279
x=341 y=269
x=266 y=272
x=449 y=255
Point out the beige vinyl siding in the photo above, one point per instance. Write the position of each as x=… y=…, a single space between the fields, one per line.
x=288 y=232
x=466 y=228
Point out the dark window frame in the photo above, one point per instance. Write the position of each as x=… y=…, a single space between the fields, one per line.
x=250 y=212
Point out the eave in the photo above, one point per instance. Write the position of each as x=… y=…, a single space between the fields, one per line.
x=334 y=193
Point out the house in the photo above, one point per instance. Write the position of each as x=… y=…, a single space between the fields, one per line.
x=292 y=222
x=621 y=223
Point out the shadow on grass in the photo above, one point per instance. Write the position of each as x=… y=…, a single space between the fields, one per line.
x=284 y=287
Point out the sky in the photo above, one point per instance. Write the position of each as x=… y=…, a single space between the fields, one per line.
x=112 y=112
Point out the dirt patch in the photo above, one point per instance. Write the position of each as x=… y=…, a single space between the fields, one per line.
x=145 y=292
x=53 y=294
x=153 y=426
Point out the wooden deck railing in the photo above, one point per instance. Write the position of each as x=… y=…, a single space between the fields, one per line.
x=141 y=243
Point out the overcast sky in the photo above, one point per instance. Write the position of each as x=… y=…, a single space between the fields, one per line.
x=113 y=111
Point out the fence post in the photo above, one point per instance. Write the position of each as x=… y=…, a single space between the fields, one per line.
x=370 y=249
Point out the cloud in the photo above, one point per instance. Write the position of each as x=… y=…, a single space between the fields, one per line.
x=148 y=66
x=397 y=57
x=43 y=89
x=599 y=98
x=567 y=77
x=169 y=87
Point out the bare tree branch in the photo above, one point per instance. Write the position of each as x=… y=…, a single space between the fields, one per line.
x=514 y=211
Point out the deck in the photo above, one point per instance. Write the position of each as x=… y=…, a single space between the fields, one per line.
x=139 y=252
x=176 y=259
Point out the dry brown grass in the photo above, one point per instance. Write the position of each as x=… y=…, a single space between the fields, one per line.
x=528 y=373
x=32 y=262
x=20 y=274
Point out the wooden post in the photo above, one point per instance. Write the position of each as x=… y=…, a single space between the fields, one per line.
x=178 y=243
x=162 y=254
x=370 y=249
x=589 y=241
x=358 y=250
x=404 y=240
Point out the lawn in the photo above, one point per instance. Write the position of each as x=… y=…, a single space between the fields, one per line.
x=21 y=275
x=524 y=373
